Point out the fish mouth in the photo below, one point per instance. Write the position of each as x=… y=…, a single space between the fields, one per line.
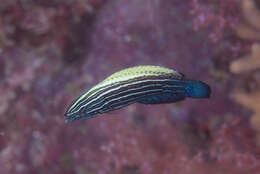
x=71 y=117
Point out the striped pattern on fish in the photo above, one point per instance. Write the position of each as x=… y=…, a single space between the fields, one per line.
x=143 y=84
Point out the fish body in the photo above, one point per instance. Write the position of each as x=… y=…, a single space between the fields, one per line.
x=140 y=84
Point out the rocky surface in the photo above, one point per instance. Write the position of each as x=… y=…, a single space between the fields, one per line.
x=51 y=51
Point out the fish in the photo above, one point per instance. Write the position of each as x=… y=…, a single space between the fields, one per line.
x=145 y=84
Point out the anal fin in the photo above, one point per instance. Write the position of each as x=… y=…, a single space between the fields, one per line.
x=162 y=98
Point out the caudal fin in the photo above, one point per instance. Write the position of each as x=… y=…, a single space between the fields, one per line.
x=197 y=89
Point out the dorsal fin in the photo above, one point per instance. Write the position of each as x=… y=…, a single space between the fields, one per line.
x=144 y=71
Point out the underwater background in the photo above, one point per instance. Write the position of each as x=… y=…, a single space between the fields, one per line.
x=53 y=50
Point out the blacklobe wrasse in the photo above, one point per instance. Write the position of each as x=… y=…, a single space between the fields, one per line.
x=140 y=84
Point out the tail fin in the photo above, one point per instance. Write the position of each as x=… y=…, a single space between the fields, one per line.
x=197 y=89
